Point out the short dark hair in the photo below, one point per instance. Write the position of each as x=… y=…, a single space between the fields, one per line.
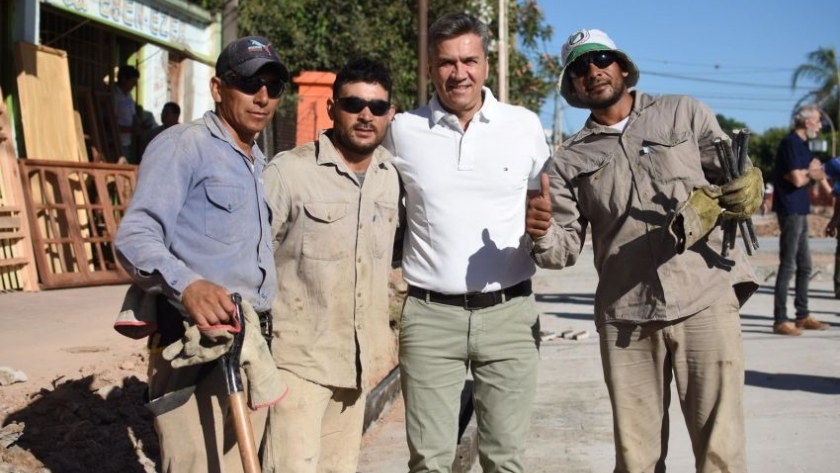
x=457 y=24
x=127 y=72
x=365 y=70
x=172 y=107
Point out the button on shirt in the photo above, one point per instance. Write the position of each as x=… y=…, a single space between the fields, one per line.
x=628 y=185
x=199 y=212
x=333 y=240
x=465 y=194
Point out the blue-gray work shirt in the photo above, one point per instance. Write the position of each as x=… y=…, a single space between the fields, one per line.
x=199 y=212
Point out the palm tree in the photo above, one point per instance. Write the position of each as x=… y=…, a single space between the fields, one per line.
x=823 y=69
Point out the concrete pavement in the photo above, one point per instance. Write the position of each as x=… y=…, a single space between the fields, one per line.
x=792 y=391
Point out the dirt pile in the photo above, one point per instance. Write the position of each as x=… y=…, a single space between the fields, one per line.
x=93 y=421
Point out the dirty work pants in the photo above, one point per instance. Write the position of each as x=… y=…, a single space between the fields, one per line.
x=704 y=353
x=500 y=346
x=314 y=429
x=197 y=437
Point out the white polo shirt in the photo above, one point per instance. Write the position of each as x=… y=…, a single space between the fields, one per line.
x=466 y=194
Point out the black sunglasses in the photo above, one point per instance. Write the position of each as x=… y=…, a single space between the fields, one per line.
x=356 y=105
x=252 y=85
x=602 y=59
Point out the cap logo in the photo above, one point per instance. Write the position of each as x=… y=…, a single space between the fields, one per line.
x=255 y=46
x=579 y=37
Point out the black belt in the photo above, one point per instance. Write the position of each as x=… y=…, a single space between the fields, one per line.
x=473 y=300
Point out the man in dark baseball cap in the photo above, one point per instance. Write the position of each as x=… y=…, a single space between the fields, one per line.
x=246 y=56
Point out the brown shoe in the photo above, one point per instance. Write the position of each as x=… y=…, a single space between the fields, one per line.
x=786 y=328
x=810 y=323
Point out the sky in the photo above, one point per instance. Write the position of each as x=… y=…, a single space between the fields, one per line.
x=737 y=56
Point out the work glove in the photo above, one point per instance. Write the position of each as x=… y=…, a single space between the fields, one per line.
x=201 y=345
x=696 y=217
x=265 y=386
x=741 y=197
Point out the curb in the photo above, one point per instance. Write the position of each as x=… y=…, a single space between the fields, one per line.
x=381 y=398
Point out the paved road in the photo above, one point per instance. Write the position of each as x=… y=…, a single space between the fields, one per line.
x=792 y=392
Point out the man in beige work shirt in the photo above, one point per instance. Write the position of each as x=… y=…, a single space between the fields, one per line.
x=644 y=173
x=334 y=216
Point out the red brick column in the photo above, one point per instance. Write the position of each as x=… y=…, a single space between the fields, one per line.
x=314 y=88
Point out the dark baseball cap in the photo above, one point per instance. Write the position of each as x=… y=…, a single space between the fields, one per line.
x=247 y=56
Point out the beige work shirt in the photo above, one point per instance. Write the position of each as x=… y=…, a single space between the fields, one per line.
x=628 y=185
x=333 y=240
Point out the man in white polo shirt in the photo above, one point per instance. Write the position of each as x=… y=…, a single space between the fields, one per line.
x=467 y=162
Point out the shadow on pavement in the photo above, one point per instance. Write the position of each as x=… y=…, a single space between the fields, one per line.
x=89 y=425
x=584 y=299
x=793 y=382
x=567 y=315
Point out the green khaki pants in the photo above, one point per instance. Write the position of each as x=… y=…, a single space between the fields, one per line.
x=500 y=346
x=314 y=429
x=197 y=437
x=704 y=354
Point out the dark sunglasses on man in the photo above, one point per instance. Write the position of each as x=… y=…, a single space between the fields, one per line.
x=356 y=105
x=252 y=85
x=602 y=59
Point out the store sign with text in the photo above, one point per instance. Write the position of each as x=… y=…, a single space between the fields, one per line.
x=147 y=19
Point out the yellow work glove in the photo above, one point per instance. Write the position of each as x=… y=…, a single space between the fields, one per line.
x=741 y=197
x=696 y=217
x=196 y=346
x=265 y=386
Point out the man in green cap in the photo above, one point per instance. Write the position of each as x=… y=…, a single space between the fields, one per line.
x=644 y=173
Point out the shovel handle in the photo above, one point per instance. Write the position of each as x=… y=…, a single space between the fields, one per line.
x=244 y=433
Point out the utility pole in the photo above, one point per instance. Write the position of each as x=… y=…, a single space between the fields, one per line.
x=557 y=132
x=503 y=51
x=422 y=51
x=230 y=21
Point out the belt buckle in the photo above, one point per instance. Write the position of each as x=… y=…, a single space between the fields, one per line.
x=467 y=297
x=496 y=299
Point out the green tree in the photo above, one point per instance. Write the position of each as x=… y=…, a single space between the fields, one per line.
x=729 y=124
x=823 y=70
x=324 y=34
x=763 y=149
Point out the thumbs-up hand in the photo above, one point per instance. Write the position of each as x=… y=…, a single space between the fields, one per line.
x=538 y=215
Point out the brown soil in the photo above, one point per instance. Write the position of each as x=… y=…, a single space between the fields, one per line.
x=93 y=420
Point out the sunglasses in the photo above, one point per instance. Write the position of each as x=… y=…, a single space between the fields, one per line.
x=252 y=85
x=601 y=59
x=356 y=105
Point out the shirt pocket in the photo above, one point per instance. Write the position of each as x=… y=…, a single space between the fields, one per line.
x=327 y=233
x=384 y=214
x=671 y=156
x=221 y=221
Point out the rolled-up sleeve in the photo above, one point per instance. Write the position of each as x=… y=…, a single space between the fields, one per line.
x=146 y=230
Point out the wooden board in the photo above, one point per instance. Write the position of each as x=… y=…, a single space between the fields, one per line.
x=46 y=103
x=17 y=259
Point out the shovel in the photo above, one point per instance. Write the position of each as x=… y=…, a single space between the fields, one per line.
x=236 y=395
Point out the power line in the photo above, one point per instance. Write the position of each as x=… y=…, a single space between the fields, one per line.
x=724 y=82
x=720 y=66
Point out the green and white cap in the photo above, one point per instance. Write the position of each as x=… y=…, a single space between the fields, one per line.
x=585 y=41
